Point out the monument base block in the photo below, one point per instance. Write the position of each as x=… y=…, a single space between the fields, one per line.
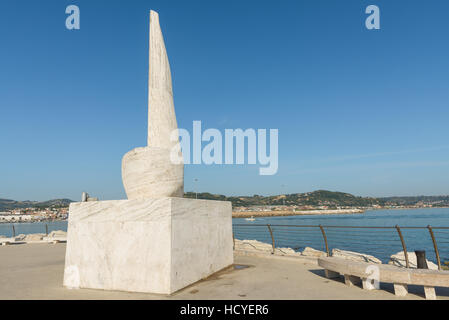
x=147 y=245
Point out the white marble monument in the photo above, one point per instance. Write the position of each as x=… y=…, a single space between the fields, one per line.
x=156 y=241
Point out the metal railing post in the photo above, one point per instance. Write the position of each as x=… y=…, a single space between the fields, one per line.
x=46 y=229
x=272 y=238
x=435 y=247
x=403 y=246
x=325 y=240
x=13 y=231
x=233 y=241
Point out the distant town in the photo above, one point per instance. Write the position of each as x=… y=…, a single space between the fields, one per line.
x=32 y=211
x=33 y=215
x=316 y=202
x=325 y=205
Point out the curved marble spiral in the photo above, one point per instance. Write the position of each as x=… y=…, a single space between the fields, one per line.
x=148 y=172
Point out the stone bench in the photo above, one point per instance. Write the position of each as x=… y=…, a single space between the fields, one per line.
x=355 y=272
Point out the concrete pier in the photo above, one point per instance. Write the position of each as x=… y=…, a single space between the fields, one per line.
x=35 y=271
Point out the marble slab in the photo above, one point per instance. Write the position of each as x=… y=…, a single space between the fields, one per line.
x=147 y=245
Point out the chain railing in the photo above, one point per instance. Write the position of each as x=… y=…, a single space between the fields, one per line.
x=381 y=241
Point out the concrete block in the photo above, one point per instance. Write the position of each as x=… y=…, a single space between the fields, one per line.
x=400 y=289
x=429 y=293
x=352 y=280
x=331 y=274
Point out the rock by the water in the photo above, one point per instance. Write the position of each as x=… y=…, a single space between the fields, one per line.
x=310 y=252
x=252 y=245
x=34 y=237
x=20 y=237
x=258 y=246
x=286 y=252
x=355 y=256
x=398 y=259
x=57 y=234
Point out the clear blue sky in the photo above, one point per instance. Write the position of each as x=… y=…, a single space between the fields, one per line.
x=358 y=111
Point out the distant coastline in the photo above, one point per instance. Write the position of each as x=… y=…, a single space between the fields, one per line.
x=248 y=214
x=407 y=208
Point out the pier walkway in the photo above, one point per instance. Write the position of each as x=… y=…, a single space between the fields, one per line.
x=35 y=271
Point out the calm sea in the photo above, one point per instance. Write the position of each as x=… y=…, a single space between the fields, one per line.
x=378 y=242
x=35 y=227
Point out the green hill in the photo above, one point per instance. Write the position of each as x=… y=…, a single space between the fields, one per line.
x=316 y=198
x=6 y=204
x=326 y=198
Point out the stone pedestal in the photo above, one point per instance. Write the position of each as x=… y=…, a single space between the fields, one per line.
x=147 y=245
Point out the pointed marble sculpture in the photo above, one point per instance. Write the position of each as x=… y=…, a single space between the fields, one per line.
x=156 y=241
x=148 y=172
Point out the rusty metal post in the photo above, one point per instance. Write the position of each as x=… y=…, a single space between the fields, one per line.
x=325 y=240
x=403 y=246
x=435 y=247
x=421 y=262
x=272 y=238
x=13 y=231
x=233 y=241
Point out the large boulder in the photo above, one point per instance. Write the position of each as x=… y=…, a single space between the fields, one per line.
x=398 y=259
x=310 y=252
x=5 y=240
x=20 y=237
x=253 y=245
x=57 y=234
x=262 y=247
x=355 y=256
x=34 y=237
x=286 y=252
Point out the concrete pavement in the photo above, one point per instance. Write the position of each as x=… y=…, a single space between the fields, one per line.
x=35 y=271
